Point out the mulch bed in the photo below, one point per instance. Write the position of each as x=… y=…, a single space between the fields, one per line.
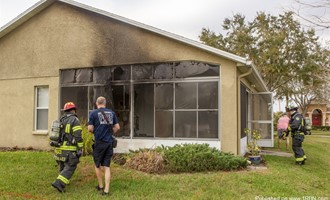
x=18 y=149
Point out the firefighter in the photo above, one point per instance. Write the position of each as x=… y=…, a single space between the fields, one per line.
x=296 y=128
x=69 y=147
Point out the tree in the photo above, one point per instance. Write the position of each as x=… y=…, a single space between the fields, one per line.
x=316 y=14
x=290 y=59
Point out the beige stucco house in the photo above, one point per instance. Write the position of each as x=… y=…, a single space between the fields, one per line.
x=319 y=113
x=165 y=89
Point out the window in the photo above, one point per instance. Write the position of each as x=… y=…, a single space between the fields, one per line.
x=151 y=100
x=41 y=108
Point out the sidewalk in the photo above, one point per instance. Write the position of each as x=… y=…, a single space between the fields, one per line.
x=276 y=153
x=262 y=166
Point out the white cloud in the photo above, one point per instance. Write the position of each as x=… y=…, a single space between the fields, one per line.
x=182 y=17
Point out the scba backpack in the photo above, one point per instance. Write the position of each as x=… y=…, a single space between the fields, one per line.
x=306 y=126
x=55 y=133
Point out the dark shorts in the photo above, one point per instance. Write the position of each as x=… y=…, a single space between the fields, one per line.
x=102 y=153
x=281 y=132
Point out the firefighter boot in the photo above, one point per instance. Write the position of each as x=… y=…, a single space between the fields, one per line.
x=59 y=186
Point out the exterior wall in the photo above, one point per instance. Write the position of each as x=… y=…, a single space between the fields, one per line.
x=313 y=107
x=61 y=37
x=228 y=124
x=324 y=110
x=17 y=106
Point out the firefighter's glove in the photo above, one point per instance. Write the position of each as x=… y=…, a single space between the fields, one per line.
x=79 y=153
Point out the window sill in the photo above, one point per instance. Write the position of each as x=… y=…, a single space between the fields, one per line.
x=40 y=132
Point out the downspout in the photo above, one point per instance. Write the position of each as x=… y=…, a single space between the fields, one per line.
x=239 y=107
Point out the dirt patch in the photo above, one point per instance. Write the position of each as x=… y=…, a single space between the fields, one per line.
x=24 y=195
x=15 y=148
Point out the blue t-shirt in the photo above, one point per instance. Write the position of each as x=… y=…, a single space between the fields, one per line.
x=102 y=129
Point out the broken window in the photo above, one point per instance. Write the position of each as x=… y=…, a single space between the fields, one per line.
x=120 y=73
x=121 y=104
x=102 y=75
x=150 y=100
x=77 y=95
x=144 y=110
x=142 y=72
x=188 y=69
x=163 y=71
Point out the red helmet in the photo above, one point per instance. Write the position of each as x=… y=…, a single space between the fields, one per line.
x=69 y=106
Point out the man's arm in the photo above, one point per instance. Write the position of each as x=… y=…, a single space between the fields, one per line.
x=116 y=128
x=90 y=128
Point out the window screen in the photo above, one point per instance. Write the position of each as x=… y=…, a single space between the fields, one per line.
x=164 y=100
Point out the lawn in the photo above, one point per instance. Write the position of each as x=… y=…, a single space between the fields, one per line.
x=28 y=175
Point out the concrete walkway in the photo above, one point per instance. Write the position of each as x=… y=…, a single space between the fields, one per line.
x=268 y=152
x=286 y=154
x=276 y=153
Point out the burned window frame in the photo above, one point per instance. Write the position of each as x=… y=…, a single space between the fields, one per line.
x=151 y=73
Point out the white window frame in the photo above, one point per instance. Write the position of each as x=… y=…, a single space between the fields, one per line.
x=263 y=142
x=36 y=108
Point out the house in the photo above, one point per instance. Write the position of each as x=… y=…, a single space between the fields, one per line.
x=319 y=113
x=166 y=89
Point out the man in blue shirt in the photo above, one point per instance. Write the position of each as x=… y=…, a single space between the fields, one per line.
x=103 y=123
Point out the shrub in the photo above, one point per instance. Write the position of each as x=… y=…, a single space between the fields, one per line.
x=183 y=158
x=87 y=137
x=148 y=161
x=200 y=157
x=253 y=137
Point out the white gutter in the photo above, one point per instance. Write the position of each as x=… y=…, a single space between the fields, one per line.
x=238 y=95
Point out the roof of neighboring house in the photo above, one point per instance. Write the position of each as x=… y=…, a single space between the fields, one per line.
x=42 y=4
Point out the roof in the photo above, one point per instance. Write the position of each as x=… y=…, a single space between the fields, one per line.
x=42 y=4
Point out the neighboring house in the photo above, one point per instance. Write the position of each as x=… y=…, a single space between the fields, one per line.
x=319 y=113
x=166 y=89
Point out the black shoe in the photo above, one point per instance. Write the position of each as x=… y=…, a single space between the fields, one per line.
x=98 y=188
x=58 y=186
x=300 y=163
x=105 y=193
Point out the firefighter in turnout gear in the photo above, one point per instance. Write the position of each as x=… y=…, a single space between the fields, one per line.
x=296 y=126
x=68 y=148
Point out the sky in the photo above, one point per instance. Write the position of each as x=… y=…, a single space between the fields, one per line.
x=182 y=17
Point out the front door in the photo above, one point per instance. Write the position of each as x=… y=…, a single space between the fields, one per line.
x=317 y=118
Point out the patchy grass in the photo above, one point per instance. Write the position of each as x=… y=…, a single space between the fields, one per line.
x=28 y=175
x=318 y=132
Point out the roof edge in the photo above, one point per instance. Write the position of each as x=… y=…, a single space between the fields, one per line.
x=25 y=16
x=258 y=77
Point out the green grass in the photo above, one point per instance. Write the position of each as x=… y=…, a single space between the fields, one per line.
x=28 y=175
x=317 y=132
